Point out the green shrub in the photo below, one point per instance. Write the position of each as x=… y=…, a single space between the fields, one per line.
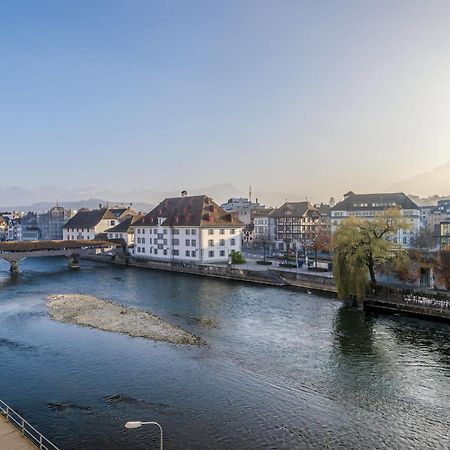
x=237 y=257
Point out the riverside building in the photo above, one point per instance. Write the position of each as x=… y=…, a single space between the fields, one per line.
x=188 y=228
x=87 y=224
x=368 y=206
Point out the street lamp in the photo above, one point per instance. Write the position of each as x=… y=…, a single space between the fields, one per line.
x=138 y=424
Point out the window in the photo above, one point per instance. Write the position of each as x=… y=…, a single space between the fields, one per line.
x=176 y=231
x=210 y=231
x=175 y=242
x=138 y=240
x=233 y=241
x=211 y=254
x=160 y=246
x=193 y=253
x=165 y=252
x=232 y=231
x=143 y=249
x=155 y=251
x=211 y=243
x=150 y=240
x=193 y=242
x=143 y=240
x=175 y=252
x=222 y=242
x=139 y=249
x=165 y=241
x=139 y=231
x=165 y=231
x=187 y=232
x=188 y=253
x=222 y=252
x=187 y=242
x=193 y=232
x=222 y=231
x=160 y=235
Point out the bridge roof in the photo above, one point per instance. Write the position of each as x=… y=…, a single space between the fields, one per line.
x=27 y=246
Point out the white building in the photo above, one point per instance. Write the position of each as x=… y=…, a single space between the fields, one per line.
x=368 y=206
x=87 y=224
x=242 y=207
x=192 y=229
x=264 y=226
x=124 y=230
x=14 y=230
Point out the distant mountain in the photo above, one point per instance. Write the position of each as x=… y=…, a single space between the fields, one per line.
x=434 y=182
x=427 y=201
x=90 y=203
x=43 y=198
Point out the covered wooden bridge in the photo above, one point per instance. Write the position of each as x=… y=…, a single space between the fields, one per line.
x=15 y=251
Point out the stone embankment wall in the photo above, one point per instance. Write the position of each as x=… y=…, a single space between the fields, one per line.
x=216 y=271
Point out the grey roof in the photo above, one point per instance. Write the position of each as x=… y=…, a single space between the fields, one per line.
x=375 y=202
x=124 y=226
x=325 y=210
x=295 y=209
x=89 y=219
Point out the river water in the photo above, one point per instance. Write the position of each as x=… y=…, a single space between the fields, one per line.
x=282 y=369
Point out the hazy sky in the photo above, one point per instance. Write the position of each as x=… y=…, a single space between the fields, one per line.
x=318 y=96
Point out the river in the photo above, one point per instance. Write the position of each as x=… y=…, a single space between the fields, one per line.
x=282 y=369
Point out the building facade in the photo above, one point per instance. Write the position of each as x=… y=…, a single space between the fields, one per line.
x=243 y=208
x=124 y=230
x=190 y=229
x=51 y=223
x=295 y=225
x=87 y=224
x=444 y=235
x=368 y=206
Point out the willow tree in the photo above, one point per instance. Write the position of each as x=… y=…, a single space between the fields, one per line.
x=359 y=245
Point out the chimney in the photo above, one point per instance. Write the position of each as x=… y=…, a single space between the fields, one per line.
x=183 y=193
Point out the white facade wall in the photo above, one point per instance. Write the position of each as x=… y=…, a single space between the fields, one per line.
x=405 y=238
x=261 y=230
x=189 y=244
x=88 y=233
x=128 y=237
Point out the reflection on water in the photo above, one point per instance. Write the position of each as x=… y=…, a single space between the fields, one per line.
x=282 y=369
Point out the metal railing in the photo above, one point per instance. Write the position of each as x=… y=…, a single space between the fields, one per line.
x=25 y=428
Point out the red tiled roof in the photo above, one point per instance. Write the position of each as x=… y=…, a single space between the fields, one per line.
x=198 y=210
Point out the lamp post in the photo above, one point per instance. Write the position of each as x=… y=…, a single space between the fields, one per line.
x=138 y=424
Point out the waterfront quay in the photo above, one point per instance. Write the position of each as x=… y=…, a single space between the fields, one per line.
x=11 y=438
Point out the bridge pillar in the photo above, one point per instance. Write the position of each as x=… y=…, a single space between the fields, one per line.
x=74 y=262
x=14 y=266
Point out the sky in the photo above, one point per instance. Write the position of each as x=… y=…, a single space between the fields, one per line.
x=317 y=97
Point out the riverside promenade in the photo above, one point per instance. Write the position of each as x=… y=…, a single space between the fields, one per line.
x=11 y=438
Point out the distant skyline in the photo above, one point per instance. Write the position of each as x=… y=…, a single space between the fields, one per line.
x=311 y=97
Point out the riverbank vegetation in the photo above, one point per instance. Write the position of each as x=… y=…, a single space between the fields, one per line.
x=360 y=246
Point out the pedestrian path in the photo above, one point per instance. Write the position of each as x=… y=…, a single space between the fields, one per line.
x=11 y=438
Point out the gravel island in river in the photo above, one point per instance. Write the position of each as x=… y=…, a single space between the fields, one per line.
x=104 y=315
